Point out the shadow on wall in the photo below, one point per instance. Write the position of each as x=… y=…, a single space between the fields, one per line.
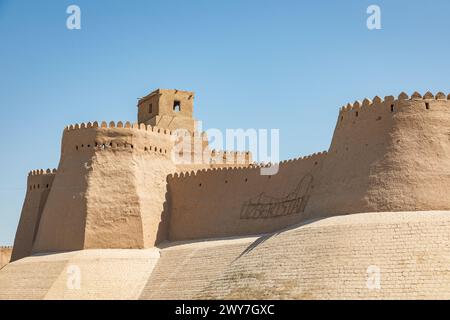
x=163 y=227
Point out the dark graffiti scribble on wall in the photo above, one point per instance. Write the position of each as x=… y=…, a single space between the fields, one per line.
x=265 y=206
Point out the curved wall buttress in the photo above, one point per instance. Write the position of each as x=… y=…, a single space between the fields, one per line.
x=389 y=155
x=110 y=188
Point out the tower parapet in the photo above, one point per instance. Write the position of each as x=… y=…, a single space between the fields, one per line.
x=171 y=109
x=388 y=154
x=389 y=104
x=110 y=188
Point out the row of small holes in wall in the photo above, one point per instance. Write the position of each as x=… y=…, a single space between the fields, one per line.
x=246 y=179
x=155 y=149
x=104 y=146
x=346 y=148
x=427 y=106
x=37 y=186
x=226 y=181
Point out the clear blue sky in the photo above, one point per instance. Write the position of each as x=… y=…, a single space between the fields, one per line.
x=253 y=64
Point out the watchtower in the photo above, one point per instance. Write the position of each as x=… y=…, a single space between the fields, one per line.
x=167 y=108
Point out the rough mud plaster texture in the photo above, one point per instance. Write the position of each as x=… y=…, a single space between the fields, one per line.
x=168 y=108
x=109 y=190
x=39 y=184
x=389 y=155
x=110 y=187
x=385 y=155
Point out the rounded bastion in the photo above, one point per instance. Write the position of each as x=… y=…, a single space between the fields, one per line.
x=387 y=155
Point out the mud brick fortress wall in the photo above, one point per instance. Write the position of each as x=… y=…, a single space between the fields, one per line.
x=240 y=201
x=386 y=155
x=117 y=185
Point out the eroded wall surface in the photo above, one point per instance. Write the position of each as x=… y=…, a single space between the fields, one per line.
x=39 y=184
x=109 y=191
x=387 y=155
x=110 y=188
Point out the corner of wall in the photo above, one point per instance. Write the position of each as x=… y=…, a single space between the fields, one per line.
x=39 y=184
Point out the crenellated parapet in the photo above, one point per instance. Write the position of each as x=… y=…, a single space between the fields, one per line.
x=39 y=185
x=186 y=149
x=40 y=172
x=40 y=179
x=121 y=136
x=367 y=123
x=230 y=158
x=388 y=154
x=314 y=158
x=389 y=104
x=119 y=124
